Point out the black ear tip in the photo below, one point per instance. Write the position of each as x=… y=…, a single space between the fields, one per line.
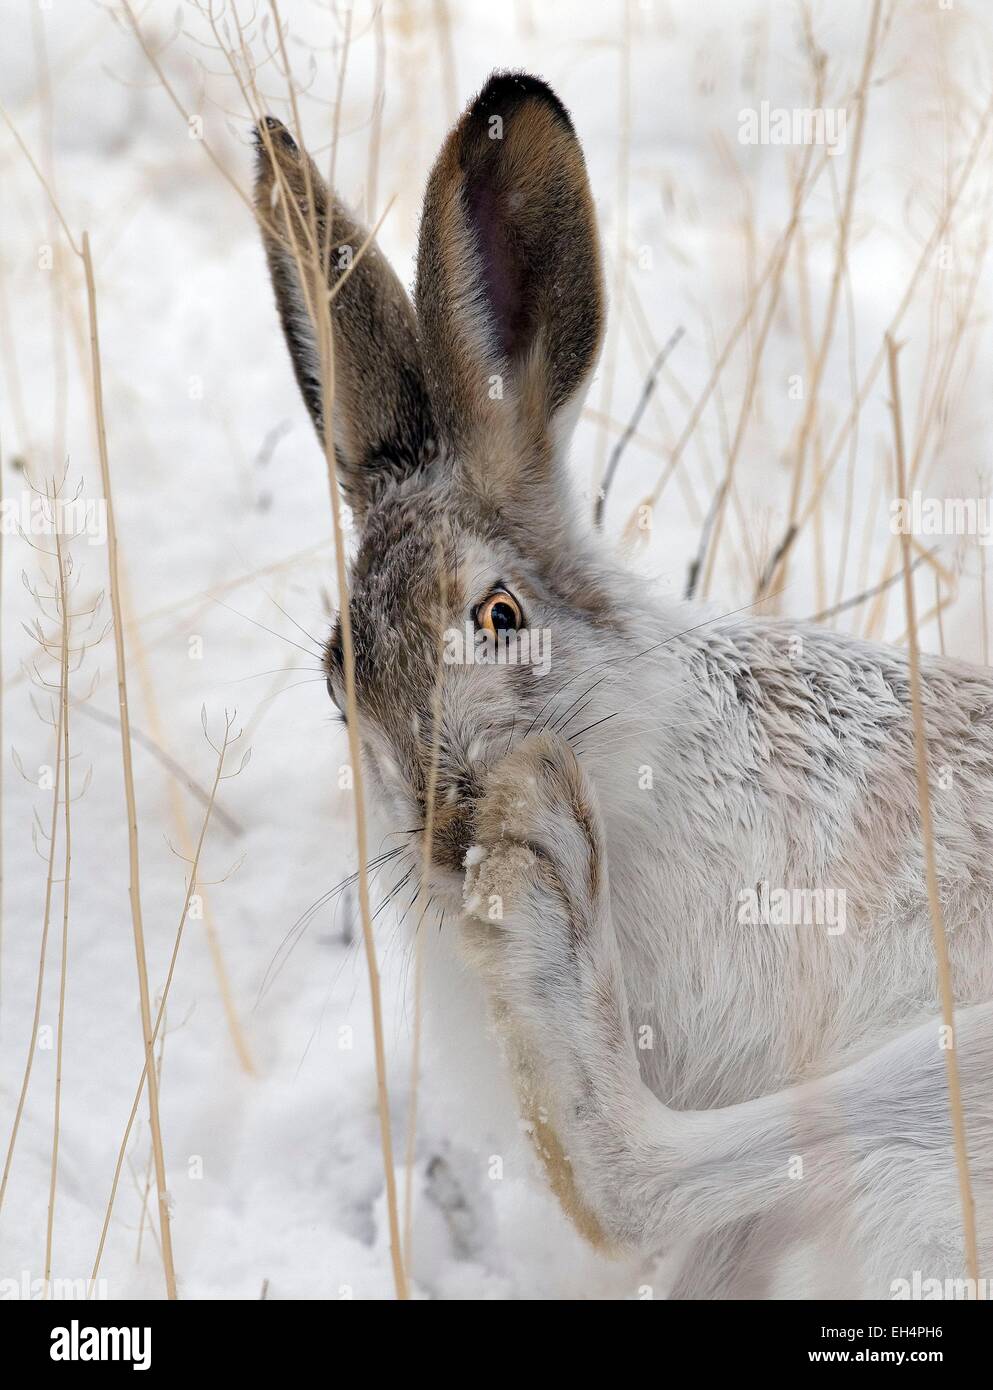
x=504 y=91
x=276 y=132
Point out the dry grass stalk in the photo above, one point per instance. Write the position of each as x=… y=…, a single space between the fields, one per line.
x=608 y=366
x=984 y=607
x=925 y=259
x=312 y=273
x=419 y=911
x=170 y=92
x=2 y=801
x=812 y=395
x=312 y=266
x=628 y=431
x=149 y=1177
x=63 y=606
x=83 y=253
x=741 y=325
x=150 y=1068
x=644 y=343
x=57 y=288
x=134 y=889
x=178 y=811
x=39 y=987
x=378 y=103
x=712 y=539
x=853 y=444
x=355 y=754
x=945 y=988
x=443 y=24
x=934 y=405
x=227 y=587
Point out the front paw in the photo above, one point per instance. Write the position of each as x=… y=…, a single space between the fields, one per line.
x=537 y=928
x=536 y=888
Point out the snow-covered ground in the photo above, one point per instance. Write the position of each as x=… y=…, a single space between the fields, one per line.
x=275 y=1173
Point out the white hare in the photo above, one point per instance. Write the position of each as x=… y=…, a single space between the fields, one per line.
x=792 y=1088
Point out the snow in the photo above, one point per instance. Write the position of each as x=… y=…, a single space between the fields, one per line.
x=276 y=1177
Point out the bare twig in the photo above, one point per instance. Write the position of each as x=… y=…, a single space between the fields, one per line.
x=149 y=1070
x=170 y=764
x=311 y=268
x=428 y=847
x=63 y=604
x=46 y=920
x=646 y=393
x=857 y=599
x=793 y=529
x=134 y=889
x=945 y=988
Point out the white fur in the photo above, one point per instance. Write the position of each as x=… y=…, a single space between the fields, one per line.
x=730 y=1090
x=693 y=1140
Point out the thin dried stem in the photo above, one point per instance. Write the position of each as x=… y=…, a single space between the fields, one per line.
x=420 y=910
x=311 y=273
x=186 y=115
x=742 y=323
x=812 y=397
x=378 y=102
x=609 y=368
x=945 y=988
x=63 y=592
x=134 y=889
x=149 y=1069
x=46 y=920
x=185 y=839
x=774 y=569
x=713 y=538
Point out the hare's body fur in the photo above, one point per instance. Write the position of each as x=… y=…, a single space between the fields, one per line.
x=694 y=1080
x=783 y=754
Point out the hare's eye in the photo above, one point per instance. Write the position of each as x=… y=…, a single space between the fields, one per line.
x=499 y=613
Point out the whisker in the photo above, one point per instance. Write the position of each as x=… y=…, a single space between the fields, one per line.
x=271 y=630
x=392 y=894
x=423 y=915
x=559 y=725
x=656 y=646
x=594 y=725
x=283 y=690
x=305 y=918
x=290 y=618
x=276 y=671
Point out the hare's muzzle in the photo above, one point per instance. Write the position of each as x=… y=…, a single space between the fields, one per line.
x=452 y=833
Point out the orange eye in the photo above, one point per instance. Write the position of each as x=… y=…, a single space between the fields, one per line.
x=499 y=613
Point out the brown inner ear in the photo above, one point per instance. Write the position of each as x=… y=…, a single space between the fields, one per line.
x=504 y=280
x=508 y=284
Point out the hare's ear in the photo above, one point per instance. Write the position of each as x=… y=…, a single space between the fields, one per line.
x=382 y=421
x=510 y=300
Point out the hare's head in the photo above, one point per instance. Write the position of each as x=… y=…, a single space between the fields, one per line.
x=474 y=594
